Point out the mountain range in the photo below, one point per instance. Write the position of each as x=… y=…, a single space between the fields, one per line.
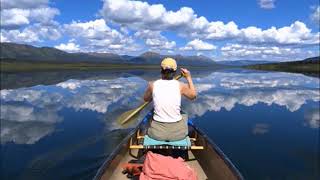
x=244 y=62
x=27 y=53
x=22 y=52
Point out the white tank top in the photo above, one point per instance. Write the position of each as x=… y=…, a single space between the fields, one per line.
x=167 y=100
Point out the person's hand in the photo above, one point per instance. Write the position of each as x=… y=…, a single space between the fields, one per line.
x=185 y=73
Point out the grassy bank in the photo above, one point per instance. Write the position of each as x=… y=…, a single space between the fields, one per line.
x=296 y=67
x=18 y=66
x=47 y=66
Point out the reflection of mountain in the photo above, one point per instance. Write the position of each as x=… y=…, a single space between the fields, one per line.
x=29 y=114
x=27 y=79
x=230 y=89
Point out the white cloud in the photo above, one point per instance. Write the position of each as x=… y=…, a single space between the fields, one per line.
x=28 y=21
x=189 y=25
x=160 y=44
x=296 y=33
x=266 y=4
x=96 y=35
x=198 y=45
x=23 y=4
x=69 y=47
x=240 y=51
x=315 y=16
x=16 y=17
x=31 y=34
x=154 y=40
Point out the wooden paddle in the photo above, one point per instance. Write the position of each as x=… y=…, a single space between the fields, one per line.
x=132 y=114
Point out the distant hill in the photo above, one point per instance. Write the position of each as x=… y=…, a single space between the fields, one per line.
x=21 y=53
x=306 y=66
x=243 y=62
x=155 y=58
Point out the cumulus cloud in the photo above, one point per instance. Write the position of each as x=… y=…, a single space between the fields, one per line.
x=188 y=24
x=266 y=4
x=17 y=15
x=69 y=47
x=28 y=21
x=23 y=4
x=31 y=34
x=96 y=35
x=240 y=51
x=315 y=16
x=154 y=40
x=198 y=45
x=296 y=33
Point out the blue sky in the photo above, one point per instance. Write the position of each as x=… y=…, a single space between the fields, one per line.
x=223 y=30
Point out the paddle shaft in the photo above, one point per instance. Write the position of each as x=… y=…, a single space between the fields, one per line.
x=141 y=107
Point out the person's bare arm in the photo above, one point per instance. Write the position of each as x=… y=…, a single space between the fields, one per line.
x=188 y=90
x=148 y=93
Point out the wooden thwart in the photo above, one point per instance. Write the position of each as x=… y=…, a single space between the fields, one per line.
x=165 y=147
x=139 y=146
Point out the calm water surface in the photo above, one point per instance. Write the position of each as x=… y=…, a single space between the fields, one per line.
x=62 y=125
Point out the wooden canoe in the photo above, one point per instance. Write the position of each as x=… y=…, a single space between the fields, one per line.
x=210 y=162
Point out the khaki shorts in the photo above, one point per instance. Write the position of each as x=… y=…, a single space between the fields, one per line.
x=169 y=131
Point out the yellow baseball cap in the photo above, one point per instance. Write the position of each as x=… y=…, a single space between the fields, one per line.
x=169 y=63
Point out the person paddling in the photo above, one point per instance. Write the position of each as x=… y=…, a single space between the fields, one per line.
x=168 y=124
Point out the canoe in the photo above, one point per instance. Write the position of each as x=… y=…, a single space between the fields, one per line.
x=209 y=162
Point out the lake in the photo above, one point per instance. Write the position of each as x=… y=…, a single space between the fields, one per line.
x=61 y=125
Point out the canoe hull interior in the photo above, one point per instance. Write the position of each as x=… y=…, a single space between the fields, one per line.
x=210 y=163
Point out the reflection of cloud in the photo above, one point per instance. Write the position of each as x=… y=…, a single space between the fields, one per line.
x=312 y=118
x=70 y=85
x=229 y=89
x=24 y=133
x=20 y=95
x=204 y=87
x=260 y=129
x=24 y=124
x=29 y=114
x=98 y=95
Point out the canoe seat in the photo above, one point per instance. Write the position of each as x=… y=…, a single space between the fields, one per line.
x=150 y=143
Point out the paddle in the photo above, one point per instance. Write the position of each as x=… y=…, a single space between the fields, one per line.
x=132 y=114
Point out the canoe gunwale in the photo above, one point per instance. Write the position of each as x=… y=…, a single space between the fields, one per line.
x=114 y=153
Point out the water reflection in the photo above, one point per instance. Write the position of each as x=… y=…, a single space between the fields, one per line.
x=28 y=114
x=225 y=90
x=72 y=120
x=260 y=128
x=312 y=118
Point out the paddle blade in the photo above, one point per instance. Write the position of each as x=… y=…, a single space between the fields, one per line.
x=127 y=116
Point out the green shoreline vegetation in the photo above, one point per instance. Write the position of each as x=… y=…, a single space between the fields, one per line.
x=47 y=66
x=29 y=66
x=295 y=67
